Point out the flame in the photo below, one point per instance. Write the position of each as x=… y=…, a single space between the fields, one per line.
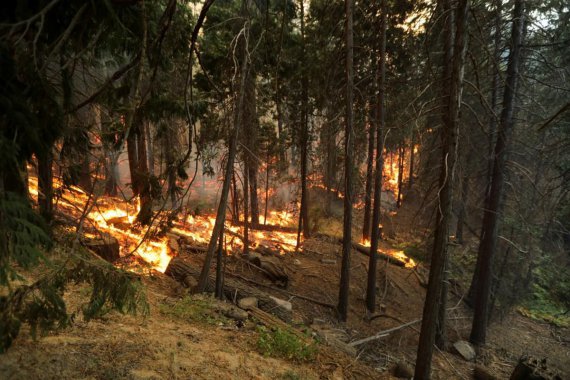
x=397 y=254
x=118 y=218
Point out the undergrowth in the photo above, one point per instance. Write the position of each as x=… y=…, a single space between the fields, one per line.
x=283 y=344
x=197 y=308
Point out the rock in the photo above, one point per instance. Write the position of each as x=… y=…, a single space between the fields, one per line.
x=465 y=349
x=286 y=305
x=247 y=303
x=235 y=313
x=403 y=371
x=297 y=262
x=482 y=373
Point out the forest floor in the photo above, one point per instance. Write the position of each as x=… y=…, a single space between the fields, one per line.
x=184 y=337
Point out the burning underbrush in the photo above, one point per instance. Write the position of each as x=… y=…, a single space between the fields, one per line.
x=98 y=217
x=113 y=221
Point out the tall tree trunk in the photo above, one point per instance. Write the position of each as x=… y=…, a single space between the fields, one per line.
x=169 y=147
x=245 y=213
x=434 y=306
x=328 y=136
x=412 y=160
x=462 y=213
x=235 y=200
x=488 y=243
x=304 y=214
x=253 y=168
x=369 y=181
x=379 y=125
x=469 y=299
x=45 y=184
x=149 y=148
x=348 y=169
x=401 y=153
x=145 y=213
x=133 y=156
x=221 y=213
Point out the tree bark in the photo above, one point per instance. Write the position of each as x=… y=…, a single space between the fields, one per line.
x=45 y=184
x=366 y=225
x=348 y=169
x=380 y=117
x=433 y=321
x=145 y=213
x=493 y=204
x=304 y=214
x=401 y=153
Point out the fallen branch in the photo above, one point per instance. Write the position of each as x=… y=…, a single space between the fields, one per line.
x=383 y=334
x=305 y=298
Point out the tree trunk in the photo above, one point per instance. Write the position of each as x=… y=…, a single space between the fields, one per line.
x=433 y=321
x=221 y=213
x=412 y=158
x=366 y=225
x=245 y=213
x=401 y=153
x=470 y=297
x=348 y=170
x=380 y=117
x=145 y=213
x=133 y=159
x=149 y=148
x=461 y=215
x=488 y=243
x=45 y=184
x=304 y=214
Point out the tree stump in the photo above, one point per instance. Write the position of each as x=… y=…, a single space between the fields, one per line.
x=106 y=247
x=533 y=369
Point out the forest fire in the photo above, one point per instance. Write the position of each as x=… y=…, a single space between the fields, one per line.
x=118 y=219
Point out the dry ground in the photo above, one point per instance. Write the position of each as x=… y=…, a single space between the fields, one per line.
x=164 y=347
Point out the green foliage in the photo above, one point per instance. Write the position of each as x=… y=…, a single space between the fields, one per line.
x=548 y=298
x=41 y=305
x=21 y=232
x=284 y=344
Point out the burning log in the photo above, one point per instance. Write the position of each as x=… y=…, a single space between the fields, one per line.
x=106 y=247
x=188 y=275
x=383 y=256
x=270 y=227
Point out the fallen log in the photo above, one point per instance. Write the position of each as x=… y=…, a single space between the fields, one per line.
x=233 y=289
x=383 y=256
x=268 y=227
x=272 y=267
